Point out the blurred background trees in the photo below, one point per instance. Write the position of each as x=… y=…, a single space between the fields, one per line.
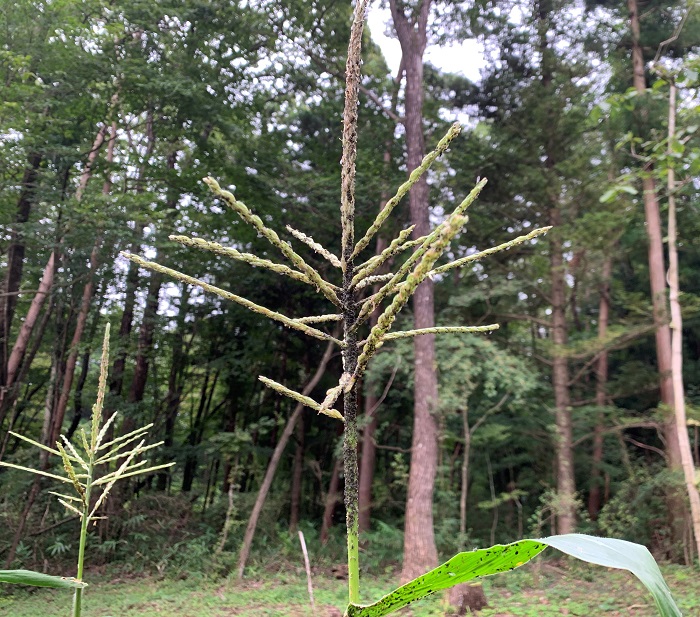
x=110 y=115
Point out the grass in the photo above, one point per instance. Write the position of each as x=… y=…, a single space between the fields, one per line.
x=542 y=589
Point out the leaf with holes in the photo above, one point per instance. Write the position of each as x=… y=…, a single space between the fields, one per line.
x=467 y=566
x=460 y=569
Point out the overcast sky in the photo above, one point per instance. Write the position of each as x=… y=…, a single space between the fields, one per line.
x=452 y=59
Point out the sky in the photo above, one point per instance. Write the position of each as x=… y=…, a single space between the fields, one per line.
x=459 y=59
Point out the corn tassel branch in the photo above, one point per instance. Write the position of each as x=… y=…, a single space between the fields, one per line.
x=301 y=398
x=445 y=233
x=319 y=318
x=416 y=174
x=374 y=279
x=458 y=263
x=397 y=245
x=256 y=222
x=233 y=253
x=309 y=241
x=392 y=336
x=422 y=250
x=256 y=308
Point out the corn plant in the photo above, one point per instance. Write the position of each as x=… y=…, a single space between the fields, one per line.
x=91 y=469
x=351 y=307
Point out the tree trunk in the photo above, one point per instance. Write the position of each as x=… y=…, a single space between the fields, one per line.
x=46 y=439
x=601 y=373
x=116 y=382
x=470 y=597
x=420 y=552
x=566 y=490
x=677 y=334
x=297 y=473
x=332 y=498
x=138 y=382
x=274 y=461
x=88 y=292
x=145 y=344
x=43 y=465
x=71 y=361
x=175 y=384
x=20 y=346
x=8 y=393
x=657 y=278
x=107 y=186
x=229 y=427
x=78 y=395
x=194 y=438
x=24 y=369
x=148 y=324
x=467 y=597
x=15 y=260
x=465 y=476
x=90 y=164
x=78 y=408
x=369 y=448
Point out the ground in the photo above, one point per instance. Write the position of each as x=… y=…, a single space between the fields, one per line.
x=538 y=590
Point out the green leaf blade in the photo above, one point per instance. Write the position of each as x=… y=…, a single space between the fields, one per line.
x=464 y=567
x=38 y=579
x=622 y=555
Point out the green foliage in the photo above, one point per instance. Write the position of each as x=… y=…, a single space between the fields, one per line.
x=473 y=371
x=637 y=507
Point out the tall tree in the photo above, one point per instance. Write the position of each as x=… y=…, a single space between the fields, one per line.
x=420 y=552
x=646 y=32
x=657 y=260
x=677 y=327
x=566 y=485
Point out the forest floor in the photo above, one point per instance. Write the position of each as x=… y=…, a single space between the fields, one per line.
x=536 y=590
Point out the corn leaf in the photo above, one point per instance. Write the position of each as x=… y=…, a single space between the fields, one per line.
x=467 y=566
x=37 y=579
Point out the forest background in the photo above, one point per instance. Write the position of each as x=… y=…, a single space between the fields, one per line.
x=111 y=114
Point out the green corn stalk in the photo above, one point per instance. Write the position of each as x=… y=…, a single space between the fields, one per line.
x=82 y=466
